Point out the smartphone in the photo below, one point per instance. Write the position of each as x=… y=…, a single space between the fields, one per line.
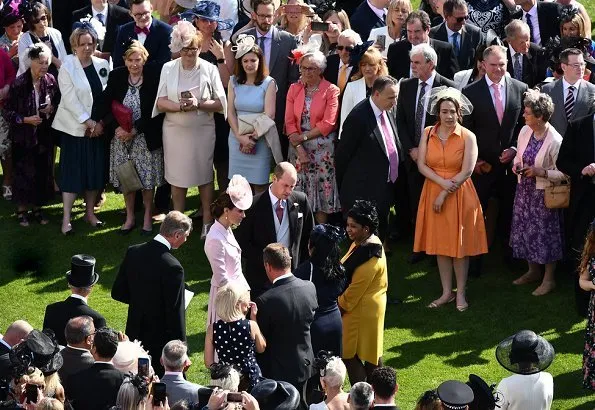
x=143 y=366
x=234 y=397
x=186 y=94
x=293 y=8
x=159 y=393
x=319 y=26
x=381 y=39
x=32 y=390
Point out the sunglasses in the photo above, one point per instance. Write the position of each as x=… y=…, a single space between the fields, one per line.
x=349 y=49
x=42 y=18
x=461 y=19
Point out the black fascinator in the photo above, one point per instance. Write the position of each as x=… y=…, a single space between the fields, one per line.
x=358 y=52
x=325 y=240
x=365 y=213
x=323 y=8
x=140 y=383
x=567 y=13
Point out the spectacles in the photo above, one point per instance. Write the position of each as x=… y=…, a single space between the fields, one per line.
x=188 y=50
x=265 y=16
x=577 y=65
x=141 y=15
x=302 y=68
x=461 y=19
x=40 y=19
x=349 y=49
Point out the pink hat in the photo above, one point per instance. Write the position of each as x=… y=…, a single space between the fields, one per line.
x=240 y=192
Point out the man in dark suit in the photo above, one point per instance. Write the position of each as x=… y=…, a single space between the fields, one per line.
x=285 y=313
x=573 y=97
x=81 y=278
x=151 y=282
x=525 y=59
x=153 y=34
x=496 y=120
x=577 y=160
x=110 y=16
x=15 y=334
x=278 y=214
x=369 y=152
x=338 y=71
x=76 y=355
x=454 y=30
x=418 y=31
x=368 y=15
x=384 y=382
x=412 y=118
x=542 y=17
x=96 y=388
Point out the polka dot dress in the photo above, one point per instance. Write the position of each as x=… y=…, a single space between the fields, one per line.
x=234 y=345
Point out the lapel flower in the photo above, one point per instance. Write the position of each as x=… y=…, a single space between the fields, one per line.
x=296 y=205
x=103 y=72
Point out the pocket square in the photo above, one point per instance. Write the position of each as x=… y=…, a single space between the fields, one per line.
x=300 y=215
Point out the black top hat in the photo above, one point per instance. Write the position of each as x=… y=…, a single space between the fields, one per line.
x=40 y=350
x=82 y=271
x=455 y=395
x=525 y=353
x=273 y=395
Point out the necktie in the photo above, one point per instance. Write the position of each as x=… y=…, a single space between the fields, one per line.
x=455 y=43
x=419 y=112
x=530 y=24
x=342 y=82
x=569 y=102
x=99 y=17
x=518 y=69
x=391 y=150
x=498 y=102
x=262 y=44
x=279 y=211
x=138 y=30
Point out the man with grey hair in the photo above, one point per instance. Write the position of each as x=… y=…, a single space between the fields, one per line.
x=174 y=359
x=151 y=282
x=525 y=59
x=79 y=334
x=338 y=71
x=361 y=396
x=15 y=334
x=412 y=118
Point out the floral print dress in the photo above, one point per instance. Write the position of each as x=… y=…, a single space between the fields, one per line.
x=589 y=353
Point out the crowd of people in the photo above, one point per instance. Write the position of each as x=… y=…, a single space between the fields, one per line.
x=473 y=120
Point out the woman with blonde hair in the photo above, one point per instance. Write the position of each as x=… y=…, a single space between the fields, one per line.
x=398 y=11
x=295 y=18
x=133 y=393
x=47 y=403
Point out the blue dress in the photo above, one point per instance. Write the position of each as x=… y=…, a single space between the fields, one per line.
x=249 y=99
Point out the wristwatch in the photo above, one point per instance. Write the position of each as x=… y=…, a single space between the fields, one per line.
x=220 y=61
x=305 y=137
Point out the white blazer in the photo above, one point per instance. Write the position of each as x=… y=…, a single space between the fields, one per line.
x=26 y=40
x=77 y=98
x=355 y=91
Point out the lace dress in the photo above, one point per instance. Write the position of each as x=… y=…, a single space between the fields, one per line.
x=589 y=353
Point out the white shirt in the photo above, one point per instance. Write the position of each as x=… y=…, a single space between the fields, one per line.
x=142 y=36
x=527 y=392
x=381 y=13
x=84 y=299
x=287 y=275
x=268 y=41
x=162 y=240
x=449 y=33
x=566 y=84
x=79 y=348
x=110 y=362
x=532 y=14
x=103 y=14
x=428 y=91
x=5 y=344
x=347 y=72
x=377 y=114
x=274 y=201
x=502 y=92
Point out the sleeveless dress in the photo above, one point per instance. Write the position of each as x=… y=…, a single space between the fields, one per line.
x=589 y=352
x=458 y=230
x=234 y=345
x=249 y=99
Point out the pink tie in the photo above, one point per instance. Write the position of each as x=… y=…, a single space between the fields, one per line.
x=279 y=211
x=498 y=102
x=393 y=157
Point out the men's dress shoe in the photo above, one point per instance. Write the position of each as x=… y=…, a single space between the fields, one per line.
x=416 y=257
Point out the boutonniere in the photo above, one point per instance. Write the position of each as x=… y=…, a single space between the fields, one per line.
x=103 y=72
x=296 y=205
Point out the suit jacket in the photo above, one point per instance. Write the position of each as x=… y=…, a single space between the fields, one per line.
x=95 y=388
x=117 y=87
x=363 y=20
x=151 y=282
x=285 y=313
x=180 y=389
x=59 y=313
x=399 y=64
x=5 y=363
x=331 y=72
x=116 y=16
x=257 y=230
x=493 y=137
x=548 y=15
x=583 y=105
x=75 y=360
x=323 y=109
x=360 y=157
x=62 y=17
x=406 y=106
x=156 y=43
x=470 y=38
x=534 y=65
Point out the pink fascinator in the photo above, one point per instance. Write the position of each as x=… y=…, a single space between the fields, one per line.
x=181 y=36
x=240 y=192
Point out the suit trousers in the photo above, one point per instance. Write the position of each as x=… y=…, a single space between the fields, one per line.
x=383 y=204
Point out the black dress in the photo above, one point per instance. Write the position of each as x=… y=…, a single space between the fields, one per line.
x=326 y=330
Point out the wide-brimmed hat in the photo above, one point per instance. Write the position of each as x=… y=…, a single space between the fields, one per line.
x=126 y=357
x=82 y=271
x=525 y=353
x=273 y=395
x=485 y=398
x=40 y=350
x=240 y=192
x=455 y=395
x=208 y=10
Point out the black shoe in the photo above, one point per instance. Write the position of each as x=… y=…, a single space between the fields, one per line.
x=146 y=233
x=126 y=231
x=416 y=257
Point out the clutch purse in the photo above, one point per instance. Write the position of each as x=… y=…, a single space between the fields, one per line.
x=557 y=196
x=123 y=115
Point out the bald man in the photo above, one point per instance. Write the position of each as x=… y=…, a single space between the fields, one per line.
x=16 y=333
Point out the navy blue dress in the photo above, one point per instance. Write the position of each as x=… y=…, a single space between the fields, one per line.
x=326 y=331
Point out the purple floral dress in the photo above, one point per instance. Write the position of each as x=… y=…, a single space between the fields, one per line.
x=589 y=353
x=536 y=233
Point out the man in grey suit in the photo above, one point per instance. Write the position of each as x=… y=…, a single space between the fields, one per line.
x=572 y=96
x=174 y=359
x=276 y=46
x=79 y=333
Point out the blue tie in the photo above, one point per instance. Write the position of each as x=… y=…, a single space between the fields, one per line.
x=100 y=18
x=455 y=43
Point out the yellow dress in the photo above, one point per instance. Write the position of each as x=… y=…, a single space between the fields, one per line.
x=458 y=230
x=364 y=304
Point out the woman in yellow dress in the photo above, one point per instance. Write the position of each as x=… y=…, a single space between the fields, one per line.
x=449 y=217
x=363 y=303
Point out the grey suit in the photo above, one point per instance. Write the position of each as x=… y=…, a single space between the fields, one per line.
x=75 y=360
x=583 y=104
x=180 y=389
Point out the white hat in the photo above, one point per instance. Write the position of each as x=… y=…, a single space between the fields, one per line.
x=240 y=192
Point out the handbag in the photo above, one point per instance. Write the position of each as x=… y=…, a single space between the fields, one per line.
x=558 y=196
x=123 y=115
x=127 y=175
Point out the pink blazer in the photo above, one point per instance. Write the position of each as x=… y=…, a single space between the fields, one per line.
x=323 y=110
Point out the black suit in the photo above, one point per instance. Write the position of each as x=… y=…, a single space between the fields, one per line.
x=59 y=313
x=363 y=20
x=548 y=15
x=95 y=388
x=331 y=72
x=5 y=364
x=399 y=64
x=75 y=360
x=257 y=230
x=285 y=313
x=362 y=163
x=534 y=65
x=151 y=282
x=116 y=16
x=470 y=38
x=156 y=43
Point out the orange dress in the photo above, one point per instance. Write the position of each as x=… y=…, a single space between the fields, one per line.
x=458 y=230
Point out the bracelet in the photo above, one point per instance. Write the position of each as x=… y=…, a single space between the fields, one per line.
x=297 y=146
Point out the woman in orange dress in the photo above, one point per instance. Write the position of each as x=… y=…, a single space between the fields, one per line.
x=449 y=217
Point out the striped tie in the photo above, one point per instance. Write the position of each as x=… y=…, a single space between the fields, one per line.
x=569 y=103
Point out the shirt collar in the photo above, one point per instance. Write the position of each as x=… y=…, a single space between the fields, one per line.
x=490 y=82
x=78 y=348
x=84 y=299
x=512 y=51
x=274 y=199
x=379 y=12
x=177 y=374
x=285 y=276
x=377 y=111
x=96 y=12
x=99 y=361
x=429 y=81
x=159 y=238
x=269 y=34
x=450 y=32
x=5 y=344
x=532 y=12
x=566 y=84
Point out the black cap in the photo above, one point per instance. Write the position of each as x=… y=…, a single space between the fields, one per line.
x=455 y=395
